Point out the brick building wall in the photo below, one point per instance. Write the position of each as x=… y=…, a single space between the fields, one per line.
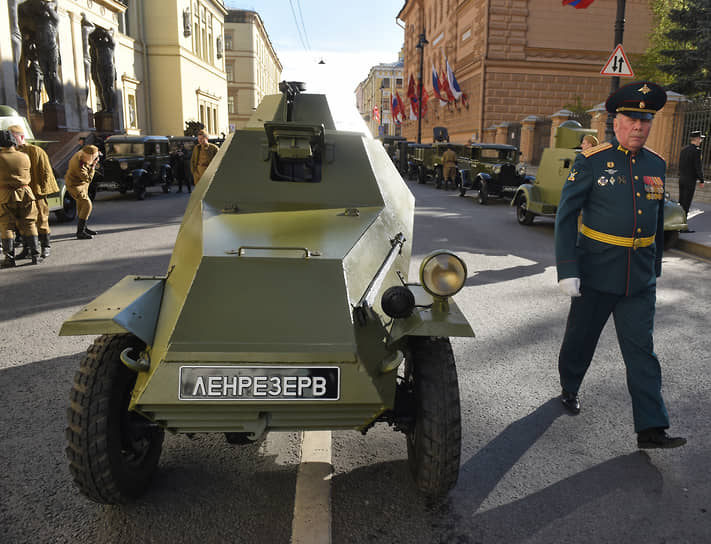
x=515 y=58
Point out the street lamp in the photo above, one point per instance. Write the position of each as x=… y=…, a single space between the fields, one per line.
x=421 y=46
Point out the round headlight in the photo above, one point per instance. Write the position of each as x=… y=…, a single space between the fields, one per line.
x=521 y=170
x=123 y=165
x=442 y=273
x=497 y=169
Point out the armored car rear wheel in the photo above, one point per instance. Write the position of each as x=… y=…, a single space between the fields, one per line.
x=434 y=441
x=112 y=453
x=523 y=216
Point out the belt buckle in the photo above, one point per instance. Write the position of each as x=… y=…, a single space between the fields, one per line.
x=636 y=242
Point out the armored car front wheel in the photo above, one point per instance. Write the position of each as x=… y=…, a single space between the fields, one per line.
x=112 y=452
x=434 y=439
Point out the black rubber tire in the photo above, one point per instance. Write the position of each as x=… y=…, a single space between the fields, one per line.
x=421 y=176
x=438 y=177
x=69 y=209
x=523 y=216
x=483 y=193
x=166 y=188
x=434 y=443
x=112 y=453
x=671 y=239
x=140 y=191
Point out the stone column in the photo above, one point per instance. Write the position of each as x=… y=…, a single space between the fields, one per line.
x=488 y=135
x=502 y=132
x=528 y=136
x=598 y=120
x=557 y=119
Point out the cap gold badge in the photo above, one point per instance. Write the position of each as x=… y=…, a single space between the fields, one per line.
x=644 y=89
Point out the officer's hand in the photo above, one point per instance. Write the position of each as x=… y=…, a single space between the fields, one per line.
x=570 y=286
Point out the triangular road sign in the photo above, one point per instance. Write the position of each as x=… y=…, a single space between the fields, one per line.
x=617 y=64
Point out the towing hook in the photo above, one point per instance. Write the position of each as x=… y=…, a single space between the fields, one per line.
x=140 y=365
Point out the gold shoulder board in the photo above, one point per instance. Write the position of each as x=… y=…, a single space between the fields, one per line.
x=602 y=147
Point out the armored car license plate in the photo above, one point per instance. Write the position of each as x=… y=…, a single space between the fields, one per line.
x=259 y=383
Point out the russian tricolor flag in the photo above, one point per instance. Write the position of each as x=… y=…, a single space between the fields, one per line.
x=578 y=4
x=435 y=87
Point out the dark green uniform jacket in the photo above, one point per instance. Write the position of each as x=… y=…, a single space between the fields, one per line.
x=620 y=194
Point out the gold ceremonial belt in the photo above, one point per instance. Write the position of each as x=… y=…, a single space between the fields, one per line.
x=623 y=241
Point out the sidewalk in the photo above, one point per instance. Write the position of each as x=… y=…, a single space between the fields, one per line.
x=699 y=220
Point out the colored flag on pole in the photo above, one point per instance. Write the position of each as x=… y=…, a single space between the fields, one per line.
x=435 y=87
x=445 y=91
x=412 y=95
x=578 y=4
x=376 y=113
x=454 y=89
x=396 y=111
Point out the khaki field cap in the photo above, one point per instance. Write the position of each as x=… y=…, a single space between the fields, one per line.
x=16 y=128
x=202 y=132
x=90 y=149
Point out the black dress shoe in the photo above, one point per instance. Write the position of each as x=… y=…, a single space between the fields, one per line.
x=658 y=438
x=687 y=231
x=570 y=401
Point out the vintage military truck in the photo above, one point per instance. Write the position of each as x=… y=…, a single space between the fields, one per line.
x=540 y=197
x=60 y=203
x=134 y=163
x=493 y=170
x=286 y=306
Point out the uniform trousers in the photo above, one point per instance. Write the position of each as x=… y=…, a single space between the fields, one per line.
x=634 y=324
x=42 y=214
x=80 y=193
x=23 y=214
x=687 y=188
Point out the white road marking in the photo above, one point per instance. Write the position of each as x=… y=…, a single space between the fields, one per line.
x=312 y=504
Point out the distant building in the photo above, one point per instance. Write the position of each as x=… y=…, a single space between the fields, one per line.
x=515 y=58
x=376 y=91
x=252 y=67
x=169 y=61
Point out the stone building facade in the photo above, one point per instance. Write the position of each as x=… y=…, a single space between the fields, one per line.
x=377 y=91
x=252 y=67
x=515 y=58
x=168 y=58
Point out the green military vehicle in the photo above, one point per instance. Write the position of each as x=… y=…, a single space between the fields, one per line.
x=286 y=306
x=60 y=203
x=541 y=196
x=492 y=170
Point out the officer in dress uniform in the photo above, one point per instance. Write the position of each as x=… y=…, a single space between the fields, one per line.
x=17 y=202
x=42 y=183
x=690 y=170
x=611 y=265
x=203 y=153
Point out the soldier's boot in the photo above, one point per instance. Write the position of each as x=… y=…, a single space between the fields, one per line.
x=89 y=231
x=32 y=243
x=25 y=253
x=8 y=248
x=44 y=242
x=81 y=230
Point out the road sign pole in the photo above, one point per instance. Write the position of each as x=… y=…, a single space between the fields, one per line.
x=615 y=83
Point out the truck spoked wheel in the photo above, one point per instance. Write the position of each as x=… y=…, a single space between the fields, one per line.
x=483 y=193
x=523 y=216
x=113 y=453
x=434 y=441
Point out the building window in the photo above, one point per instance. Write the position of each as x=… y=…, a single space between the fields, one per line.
x=230 y=104
x=230 y=70
x=386 y=82
x=228 y=41
x=132 y=114
x=398 y=82
x=202 y=114
x=211 y=44
x=214 y=120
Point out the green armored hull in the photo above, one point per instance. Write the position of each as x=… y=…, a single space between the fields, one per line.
x=286 y=304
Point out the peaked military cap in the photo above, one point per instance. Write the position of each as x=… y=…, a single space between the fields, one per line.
x=639 y=100
x=697 y=134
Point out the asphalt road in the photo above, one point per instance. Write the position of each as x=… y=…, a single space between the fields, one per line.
x=529 y=472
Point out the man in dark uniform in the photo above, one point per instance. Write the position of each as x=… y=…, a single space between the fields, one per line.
x=690 y=170
x=611 y=265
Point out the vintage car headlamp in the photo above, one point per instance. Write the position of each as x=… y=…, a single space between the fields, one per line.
x=442 y=273
x=123 y=165
x=497 y=169
x=521 y=169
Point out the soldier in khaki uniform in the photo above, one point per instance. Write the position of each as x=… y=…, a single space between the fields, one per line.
x=42 y=183
x=79 y=175
x=449 y=167
x=203 y=153
x=17 y=202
